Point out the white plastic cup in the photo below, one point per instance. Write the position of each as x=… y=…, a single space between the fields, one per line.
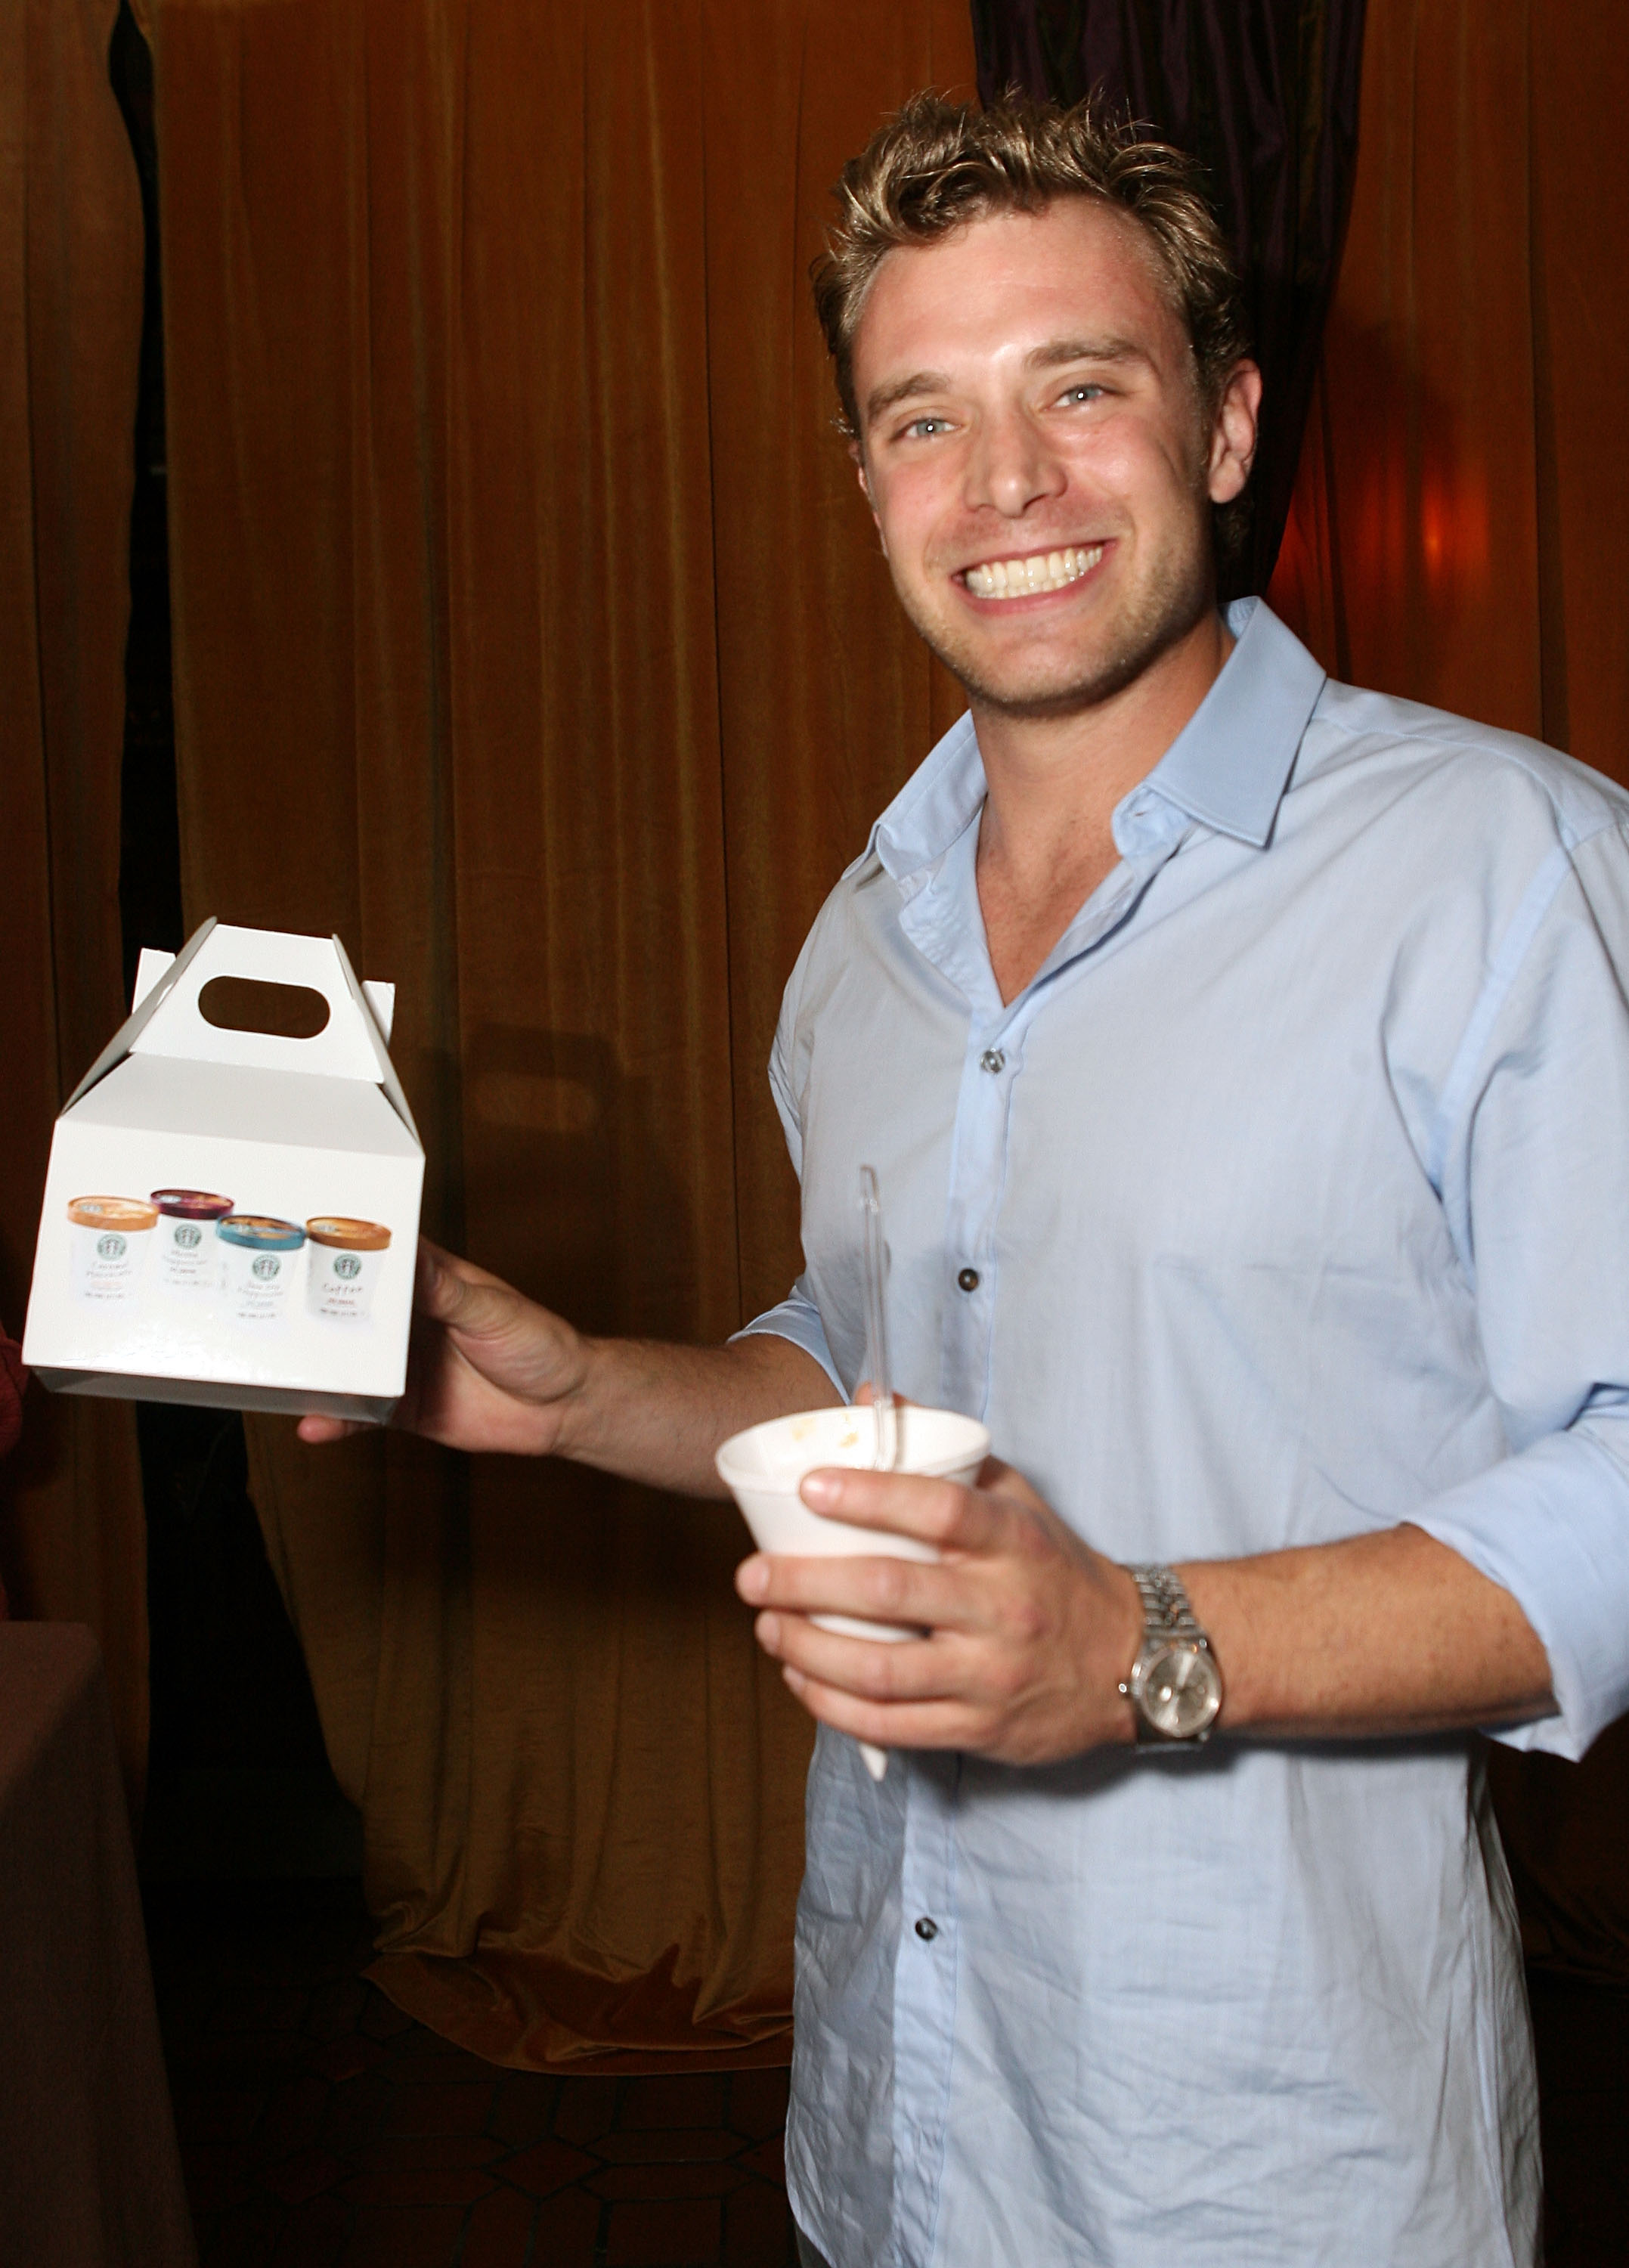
x=259 y=1256
x=343 y=1260
x=764 y=1467
x=189 y=1261
x=111 y=1239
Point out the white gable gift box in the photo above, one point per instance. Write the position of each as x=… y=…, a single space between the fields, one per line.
x=231 y=1216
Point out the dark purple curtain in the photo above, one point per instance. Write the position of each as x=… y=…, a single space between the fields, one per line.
x=1265 y=92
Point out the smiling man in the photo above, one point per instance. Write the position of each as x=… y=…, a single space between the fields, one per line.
x=1246 y=1061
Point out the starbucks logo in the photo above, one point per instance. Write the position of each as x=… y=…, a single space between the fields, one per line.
x=110 y=1247
x=266 y=1267
x=188 y=1238
x=346 y=1266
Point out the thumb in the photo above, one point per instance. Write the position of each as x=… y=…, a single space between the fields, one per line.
x=463 y=1298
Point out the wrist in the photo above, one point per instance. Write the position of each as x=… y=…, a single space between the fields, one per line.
x=1218 y=1604
x=573 y=1416
x=1129 y=1626
x=1174 y=1688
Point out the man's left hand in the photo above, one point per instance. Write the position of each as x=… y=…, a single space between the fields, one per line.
x=1026 y=1630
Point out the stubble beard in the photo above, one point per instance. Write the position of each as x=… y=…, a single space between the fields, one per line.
x=1177 y=591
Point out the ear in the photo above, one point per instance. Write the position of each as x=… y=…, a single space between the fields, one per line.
x=858 y=458
x=1232 y=435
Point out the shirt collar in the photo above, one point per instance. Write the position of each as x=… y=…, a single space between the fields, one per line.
x=1227 y=768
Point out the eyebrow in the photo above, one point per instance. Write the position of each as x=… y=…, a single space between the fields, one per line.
x=1055 y=355
x=884 y=398
x=1057 y=352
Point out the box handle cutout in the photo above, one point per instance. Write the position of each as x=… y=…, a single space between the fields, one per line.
x=345 y=1045
x=252 y=1003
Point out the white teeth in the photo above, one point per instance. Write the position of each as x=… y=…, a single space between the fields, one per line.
x=1052 y=570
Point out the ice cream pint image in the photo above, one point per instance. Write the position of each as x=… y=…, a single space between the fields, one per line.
x=346 y=1257
x=187 y=1258
x=258 y=1258
x=112 y=1237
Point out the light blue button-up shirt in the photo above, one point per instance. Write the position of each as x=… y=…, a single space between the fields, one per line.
x=1291 y=1200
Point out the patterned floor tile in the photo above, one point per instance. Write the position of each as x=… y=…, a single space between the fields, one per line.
x=666 y=2235
x=323 y=2129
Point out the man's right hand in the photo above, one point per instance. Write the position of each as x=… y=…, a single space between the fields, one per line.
x=488 y=1368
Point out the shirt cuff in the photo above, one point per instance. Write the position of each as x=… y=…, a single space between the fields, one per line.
x=1550 y=1526
x=796 y=1318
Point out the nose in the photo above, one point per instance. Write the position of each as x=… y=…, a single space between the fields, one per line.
x=1010 y=467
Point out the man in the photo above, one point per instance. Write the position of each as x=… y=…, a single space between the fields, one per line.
x=1245 y=1060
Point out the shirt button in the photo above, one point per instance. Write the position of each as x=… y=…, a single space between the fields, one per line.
x=969 y=1279
x=927 y=1929
x=992 y=1059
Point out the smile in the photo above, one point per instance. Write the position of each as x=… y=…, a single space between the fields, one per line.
x=1020 y=579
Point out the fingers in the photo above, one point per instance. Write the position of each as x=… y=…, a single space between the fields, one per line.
x=320 y=1429
x=917 y=1693
x=934 y=1668
x=876 y=1588
x=930 y=1723
x=941 y=1512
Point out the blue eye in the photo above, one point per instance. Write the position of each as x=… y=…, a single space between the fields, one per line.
x=923 y=424
x=1084 y=392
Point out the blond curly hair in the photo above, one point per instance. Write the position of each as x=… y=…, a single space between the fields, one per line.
x=936 y=165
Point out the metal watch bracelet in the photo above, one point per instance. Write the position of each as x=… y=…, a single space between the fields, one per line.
x=1166 y=1605
x=1171 y=1627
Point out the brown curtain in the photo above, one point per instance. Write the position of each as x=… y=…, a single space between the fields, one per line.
x=528 y=631
x=1459 y=528
x=71 y=1536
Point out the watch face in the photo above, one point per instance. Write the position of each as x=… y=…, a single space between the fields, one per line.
x=1180 y=1690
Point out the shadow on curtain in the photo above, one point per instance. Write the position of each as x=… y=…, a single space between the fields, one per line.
x=529 y=631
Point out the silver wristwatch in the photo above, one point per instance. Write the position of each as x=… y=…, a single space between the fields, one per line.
x=1175 y=1686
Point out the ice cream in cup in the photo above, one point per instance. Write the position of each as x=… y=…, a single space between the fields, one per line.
x=258 y=1257
x=112 y=1237
x=187 y=1259
x=765 y=1466
x=343 y=1267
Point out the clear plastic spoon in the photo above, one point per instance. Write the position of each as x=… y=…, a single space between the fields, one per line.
x=885 y=1456
x=885 y=1408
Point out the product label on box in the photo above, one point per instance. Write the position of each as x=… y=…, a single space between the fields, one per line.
x=186 y=1254
x=109 y=1239
x=254 y=1286
x=347 y=1258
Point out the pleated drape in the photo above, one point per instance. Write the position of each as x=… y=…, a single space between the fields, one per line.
x=529 y=632
x=71 y=1536
x=1460 y=522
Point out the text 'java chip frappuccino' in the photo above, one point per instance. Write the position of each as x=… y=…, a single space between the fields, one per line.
x=259 y=1255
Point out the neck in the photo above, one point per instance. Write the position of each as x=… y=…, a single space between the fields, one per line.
x=1050 y=779
x=1044 y=840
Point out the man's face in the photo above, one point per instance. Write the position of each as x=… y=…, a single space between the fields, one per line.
x=1034 y=450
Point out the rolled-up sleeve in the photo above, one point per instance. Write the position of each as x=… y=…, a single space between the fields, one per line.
x=1533 y=1158
x=796 y=1317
